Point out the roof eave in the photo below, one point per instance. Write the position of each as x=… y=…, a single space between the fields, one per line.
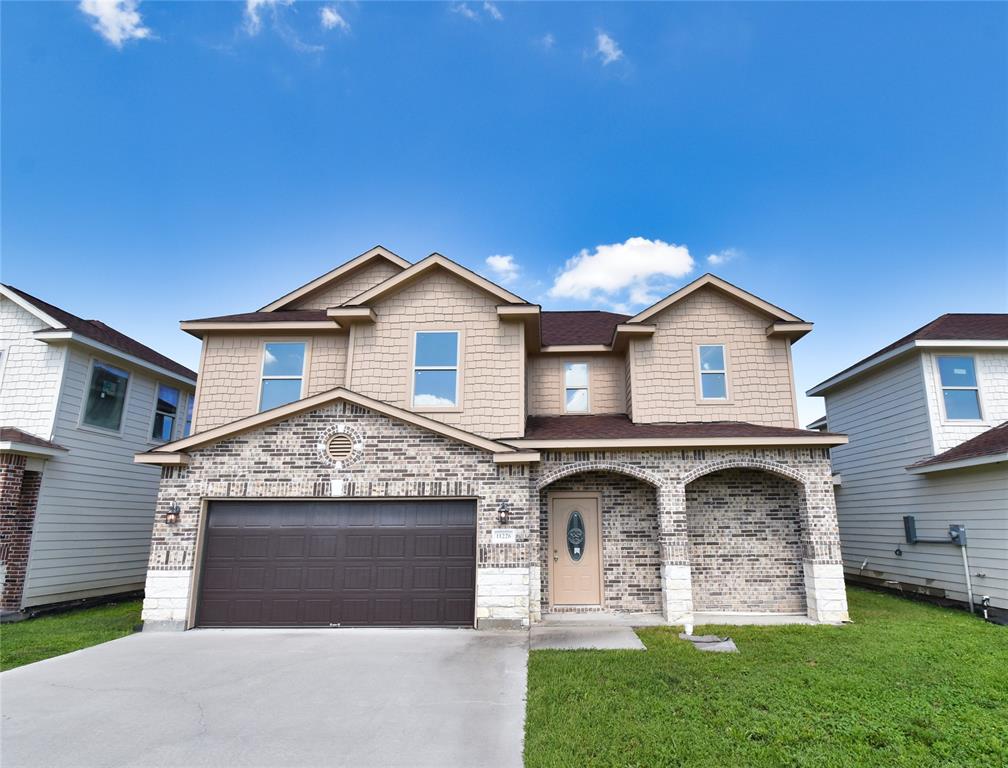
x=30 y=449
x=66 y=335
x=677 y=442
x=945 y=466
x=200 y=328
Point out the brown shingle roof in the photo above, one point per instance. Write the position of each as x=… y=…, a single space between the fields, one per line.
x=288 y=315
x=579 y=327
x=989 y=443
x=13 y=435
x=618 y=426
x=98 y=331
x=948 y=327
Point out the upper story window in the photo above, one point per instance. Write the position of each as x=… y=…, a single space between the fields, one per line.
x=106 y=397
x=435 y=369
x=282 y=373
x=165 y=412
x=576 y=387
x=713 y=372
x=187 y=426
x=960 y=392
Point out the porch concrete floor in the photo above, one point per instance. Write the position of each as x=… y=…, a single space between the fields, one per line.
x=582 y=637
x=603 y=619
x=750 y=619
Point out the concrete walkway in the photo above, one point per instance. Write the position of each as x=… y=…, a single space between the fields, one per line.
x=351 y=697
x=584 y=637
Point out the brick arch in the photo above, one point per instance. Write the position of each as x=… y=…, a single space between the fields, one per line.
x=745 y=462
x=619 y=468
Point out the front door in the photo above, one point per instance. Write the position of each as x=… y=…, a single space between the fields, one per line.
x=574 y=538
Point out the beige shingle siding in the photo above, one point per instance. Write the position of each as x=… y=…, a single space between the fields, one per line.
x=229 y=380
x=759 y=381
x=378 y=271
x=492 y=358
x=328 y=363
x=607 y=383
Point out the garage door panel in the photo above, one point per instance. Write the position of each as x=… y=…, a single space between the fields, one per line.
x=289 y=563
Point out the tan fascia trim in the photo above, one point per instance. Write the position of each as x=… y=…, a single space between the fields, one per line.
x=27 y=306
x=274 y=415
x=530 y=315
x=64 y=334
x=574 y=349
x=162 y=459
x=680 y=442
x=973 y=461
x=625 y=331
x=716 y=282
x=962 y=343
x=198 y=329
x=340 y=271
x=350 y=315
x=792 y=331
x=29 y=449
x=421 y=267
x=516 y=457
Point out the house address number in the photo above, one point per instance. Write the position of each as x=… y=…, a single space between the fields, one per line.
x=503 y=536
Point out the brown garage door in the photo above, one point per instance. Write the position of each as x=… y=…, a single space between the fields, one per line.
x=338 y=563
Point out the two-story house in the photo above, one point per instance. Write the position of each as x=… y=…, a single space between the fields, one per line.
x=77 y=400
x=412 y=444
x=926 y=416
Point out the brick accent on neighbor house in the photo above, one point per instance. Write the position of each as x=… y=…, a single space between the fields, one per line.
x=631 y=559
x=19 y=490
x=644 y=509
x=745 y=552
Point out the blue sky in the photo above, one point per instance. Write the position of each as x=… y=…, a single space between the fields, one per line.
x=164 y=161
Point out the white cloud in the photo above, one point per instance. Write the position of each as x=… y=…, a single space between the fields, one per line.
x=503 y=266
x=607 y=48
x=462 y=9
x=332 y=19
x=253 y=21
x=492 y=10
x=433 y=401
x=116 y=20
x=724 y=255
x=632 y=273
x=547 y=41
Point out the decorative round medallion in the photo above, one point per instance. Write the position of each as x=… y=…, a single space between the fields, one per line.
x=341 y=446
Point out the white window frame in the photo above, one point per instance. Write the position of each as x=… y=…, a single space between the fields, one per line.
x=946 y=419
x=262 y=368
x=154 y=413
x=190 y=401
x=586 y=387
x=700 y=372
x=457 y=368
x=81 y=424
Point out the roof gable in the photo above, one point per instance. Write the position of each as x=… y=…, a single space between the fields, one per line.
x=713 y=281
x=163 y=454
x=435 y=261
x=333 y=276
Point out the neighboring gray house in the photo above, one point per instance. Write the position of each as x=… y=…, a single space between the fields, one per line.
x=77 y=400
x=926 y=421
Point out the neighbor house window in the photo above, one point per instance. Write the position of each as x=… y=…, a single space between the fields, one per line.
x=165 y=413
x=713 y=372
x=282 y=373
x=959 y=388
x=106 y=396
x=435 y=369
x=187 y=427
x=576 y=387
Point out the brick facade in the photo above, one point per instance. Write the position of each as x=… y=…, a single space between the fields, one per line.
x=19 y=490
x=744 y=529
x=645 y=531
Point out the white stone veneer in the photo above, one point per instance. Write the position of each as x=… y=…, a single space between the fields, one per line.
x=166 y=599
x=502 y=597
x=824 y=592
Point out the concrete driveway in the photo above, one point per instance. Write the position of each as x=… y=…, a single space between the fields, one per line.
x=350 y=697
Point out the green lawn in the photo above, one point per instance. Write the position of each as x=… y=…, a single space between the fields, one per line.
x=41 y=638
x=907 y=684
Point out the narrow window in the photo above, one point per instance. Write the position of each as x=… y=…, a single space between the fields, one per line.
x=435 y=369
x=959 y=388
x=282 y=373
x=576 y=387
x=106 y=396
x=713 y=372
x=165 y=413
x=187 y=427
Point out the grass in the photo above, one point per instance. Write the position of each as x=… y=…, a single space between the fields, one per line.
x=907 y=684
x=47 y=636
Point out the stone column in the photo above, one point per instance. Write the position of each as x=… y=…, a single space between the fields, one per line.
x=825 y=593
x=676 y=579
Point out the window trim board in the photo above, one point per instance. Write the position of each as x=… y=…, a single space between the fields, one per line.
x=729 y=398
x=305 y=366
x=943 y=417
x=130 y=375
x=563 y=386
x=459 y=371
